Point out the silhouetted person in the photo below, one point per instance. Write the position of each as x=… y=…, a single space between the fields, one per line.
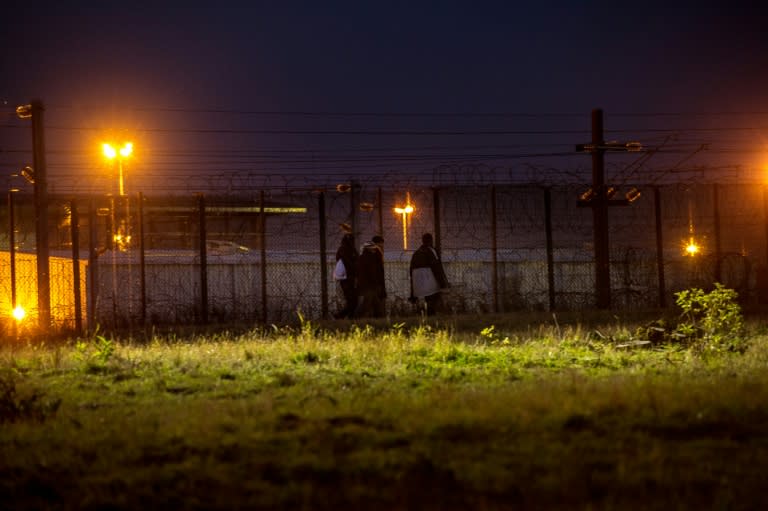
x=427 y=275
x=347 y=253
x=370 y=279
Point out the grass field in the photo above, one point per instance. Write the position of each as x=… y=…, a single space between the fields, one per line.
x=500 y=412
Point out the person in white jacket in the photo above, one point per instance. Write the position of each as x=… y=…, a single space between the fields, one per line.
x=427 y=275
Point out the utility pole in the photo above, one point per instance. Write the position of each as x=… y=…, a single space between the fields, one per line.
x=600 y=216
x=34 y=110
x=598 y=197
x=353 y=203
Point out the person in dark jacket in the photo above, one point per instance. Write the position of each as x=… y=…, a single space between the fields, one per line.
x=370 y=279
x=427 y=275
x=347 y=253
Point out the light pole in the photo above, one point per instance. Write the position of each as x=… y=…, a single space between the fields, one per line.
x=114 y=153
x=405 y=211
x=34 y=111
x=121 y=238
x=117 y=154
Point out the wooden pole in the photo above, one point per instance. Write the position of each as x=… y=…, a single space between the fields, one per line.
x=41 y=217
x=600 y=216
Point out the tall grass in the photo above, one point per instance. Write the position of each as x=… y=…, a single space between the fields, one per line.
x=435 y=416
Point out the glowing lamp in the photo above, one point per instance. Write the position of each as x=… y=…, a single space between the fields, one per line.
x=692 y=249
x=126 y=150
x=109 y=151
x=119 y=154
x=405 y=211
x=18 y=313
x=122 y=241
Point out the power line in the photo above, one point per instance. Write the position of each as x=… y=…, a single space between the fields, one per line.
x=396 y=133
x=423 y=114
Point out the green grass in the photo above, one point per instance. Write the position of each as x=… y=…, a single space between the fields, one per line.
x=454 y=415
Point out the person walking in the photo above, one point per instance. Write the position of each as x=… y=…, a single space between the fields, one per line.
x=427 y=275
x=347 y=279
x=371 y=287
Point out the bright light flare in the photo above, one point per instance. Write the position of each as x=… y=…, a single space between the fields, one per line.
x=122 y=241
x=111 y=152
x=692 y=248
x=126 y=150
x=405 y=211
x=19 y=313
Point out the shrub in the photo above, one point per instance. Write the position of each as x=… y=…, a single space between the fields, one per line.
x=710 y=322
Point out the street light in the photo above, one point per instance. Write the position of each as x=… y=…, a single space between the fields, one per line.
x=405 y=211
x=34 y=112
x=692 y=248
x=115 y=153
x=118 y=153
x=18 y=313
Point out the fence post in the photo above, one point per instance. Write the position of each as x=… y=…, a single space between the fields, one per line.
x=203 y=261
x=41 y=217
x=142 y=260
x=716 y=214
x=263 y=233
x=550 y=248
x=659 y=247
x=436 y=214
x=354 y=187
x=93 y=270
x=74 y=225
x=380 y=209
x=494 y=252
x=323 y=256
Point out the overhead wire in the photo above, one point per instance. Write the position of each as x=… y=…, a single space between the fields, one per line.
x=320 y=160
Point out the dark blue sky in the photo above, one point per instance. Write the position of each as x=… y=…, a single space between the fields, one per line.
x=151 y=70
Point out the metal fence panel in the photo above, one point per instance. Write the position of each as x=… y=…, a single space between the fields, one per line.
x=263 y=260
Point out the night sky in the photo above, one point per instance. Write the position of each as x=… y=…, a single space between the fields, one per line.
x=386 y=89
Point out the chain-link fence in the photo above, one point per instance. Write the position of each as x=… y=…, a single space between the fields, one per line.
x=262 y=256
